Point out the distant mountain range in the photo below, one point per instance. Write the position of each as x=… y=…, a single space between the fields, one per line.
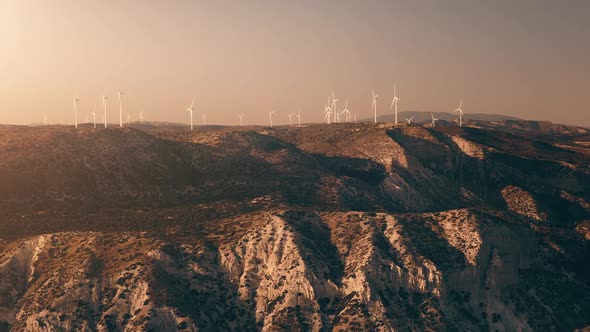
x=444 y=116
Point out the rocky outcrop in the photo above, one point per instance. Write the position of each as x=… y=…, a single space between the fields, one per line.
x=469 y=148
x=290 y=270
x=522 y=202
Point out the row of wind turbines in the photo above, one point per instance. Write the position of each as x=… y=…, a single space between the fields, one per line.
x=104 y=104
x=331 y=113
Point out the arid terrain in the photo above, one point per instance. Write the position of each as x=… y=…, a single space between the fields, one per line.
x=343 y=227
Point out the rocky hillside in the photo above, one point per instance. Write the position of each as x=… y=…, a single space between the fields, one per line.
x=346 y=227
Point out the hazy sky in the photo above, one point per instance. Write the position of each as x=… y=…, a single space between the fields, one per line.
x=527 y=58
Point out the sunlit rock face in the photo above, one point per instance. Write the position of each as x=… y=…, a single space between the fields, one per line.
x=521 y=202
x=469 y=148
x=456 y=269
x=321 y=228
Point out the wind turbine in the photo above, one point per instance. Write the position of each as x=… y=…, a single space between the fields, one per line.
x=433 y=123
x=141 y=117
x=327 y=114
x=460 y=110
x=346 y=112
x=104 y=102
x=241 y=116
x=290 y=115
x=75 y=107
x=120 y=101
x=409 y=120
x=375 y=105
x=204 y=117
x=299 y=118
x=270 y=117
x=333 y=107
x=190 y=109
x=394 y=103
x=94 y=114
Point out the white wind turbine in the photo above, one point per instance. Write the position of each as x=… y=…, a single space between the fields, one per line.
x=299 y=118
x=104 y=102
x=75 y=109
x=327 y=114
x=141 y=117
x=190 y=110
x=204 y=118
x=346 y=112
x=460 y=110
x=94 y=114
x=270 y=114
x=241 y=116
x=120 y=101
x=374 y=106
x=433 y=123
x=333 y=107
x=409 y=120
x=394 y=103
x=290 y=115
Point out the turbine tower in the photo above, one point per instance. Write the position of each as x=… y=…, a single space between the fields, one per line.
x=394 y=103
x=433 y=123
x=204 y=117
x=327 y=114
x=346 y=112
x=299 y=118
x=241 y=116
x=141 y=117
x=75 y=107
x=190 y=110
x=94 y=114
x=460 y=110
x=270 y=117
x=375 y=105
x=333 y=107
x=120 y=101
x=128 y=117
x=290 y=115
x=104 y=102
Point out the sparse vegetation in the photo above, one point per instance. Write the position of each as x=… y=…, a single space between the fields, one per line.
x=347 y=227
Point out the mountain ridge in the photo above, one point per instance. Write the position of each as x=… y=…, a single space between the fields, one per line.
x=324 y=227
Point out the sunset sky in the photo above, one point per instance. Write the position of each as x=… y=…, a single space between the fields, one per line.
x=526 y=58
